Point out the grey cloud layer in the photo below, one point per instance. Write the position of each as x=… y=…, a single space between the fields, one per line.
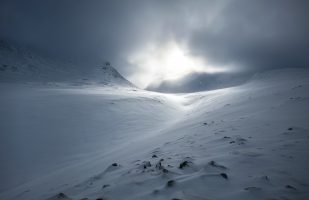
x=252 y=34
x=257 y=34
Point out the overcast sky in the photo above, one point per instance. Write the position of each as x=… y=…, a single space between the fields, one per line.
x=230 y=34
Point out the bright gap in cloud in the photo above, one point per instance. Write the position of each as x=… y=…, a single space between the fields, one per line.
x=167 y=62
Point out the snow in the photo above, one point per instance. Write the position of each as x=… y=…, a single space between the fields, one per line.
x=21 y=64
x=90 y=142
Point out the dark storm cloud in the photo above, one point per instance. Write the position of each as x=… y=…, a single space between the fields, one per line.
x=257 y=35
x=251 y=34
x=96 y=27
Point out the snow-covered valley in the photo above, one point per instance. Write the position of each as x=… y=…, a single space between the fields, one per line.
x=61 y=141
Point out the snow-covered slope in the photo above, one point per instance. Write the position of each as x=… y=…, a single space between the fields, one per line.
x=19 y=64
x=110 y=76
x=244 y=142
x=199 y=81
x=22 y=64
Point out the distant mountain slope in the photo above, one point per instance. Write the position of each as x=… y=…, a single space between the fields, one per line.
x=109 y=75
x=196 y=82
x=22 y=64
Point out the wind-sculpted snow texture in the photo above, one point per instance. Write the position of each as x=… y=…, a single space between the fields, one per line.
x=245 y=142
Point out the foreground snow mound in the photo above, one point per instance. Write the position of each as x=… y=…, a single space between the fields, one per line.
x=22 y=64
x=245 y=142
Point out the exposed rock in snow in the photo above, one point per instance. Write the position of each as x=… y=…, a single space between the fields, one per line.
x=123 y=143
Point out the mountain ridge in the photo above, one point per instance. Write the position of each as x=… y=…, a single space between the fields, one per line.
x=22 y=64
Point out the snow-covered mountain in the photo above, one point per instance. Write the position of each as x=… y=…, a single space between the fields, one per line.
x=243 y=142
x=106 y=74
x=23 y=64
x=199 y=81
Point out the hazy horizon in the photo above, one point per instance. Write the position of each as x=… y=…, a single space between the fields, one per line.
x=151 y=41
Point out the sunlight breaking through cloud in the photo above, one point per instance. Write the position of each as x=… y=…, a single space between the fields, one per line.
x=167 y=62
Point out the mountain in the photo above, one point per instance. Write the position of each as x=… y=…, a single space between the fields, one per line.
x=198 y=81
x=24 y=64
x=244 y=142
x=106 y=74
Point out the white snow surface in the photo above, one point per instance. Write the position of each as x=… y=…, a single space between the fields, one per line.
x=92 y=142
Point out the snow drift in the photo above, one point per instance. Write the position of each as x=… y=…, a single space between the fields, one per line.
x=243 y=142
